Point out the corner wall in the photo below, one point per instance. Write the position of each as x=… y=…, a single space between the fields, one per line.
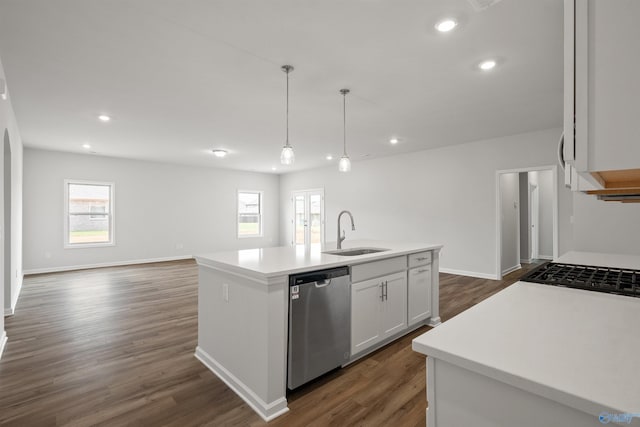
x=162 y=211
x=444 y=195
x=11 y=290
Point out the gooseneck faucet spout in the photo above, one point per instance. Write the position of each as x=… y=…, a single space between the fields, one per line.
x=341 y=236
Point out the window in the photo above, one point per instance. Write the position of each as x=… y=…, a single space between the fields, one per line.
x=88 y=214
x=249 y=213
x=308 y=221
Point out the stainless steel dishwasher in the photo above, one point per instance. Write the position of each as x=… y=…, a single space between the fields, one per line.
x=319 y=323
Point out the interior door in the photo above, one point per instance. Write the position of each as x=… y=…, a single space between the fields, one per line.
x=308 y=217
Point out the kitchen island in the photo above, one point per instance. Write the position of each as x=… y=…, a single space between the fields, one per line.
x=243 y=300
x=535 y=354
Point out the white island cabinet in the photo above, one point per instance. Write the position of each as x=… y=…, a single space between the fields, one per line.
x=536 y=355
x=243 y=309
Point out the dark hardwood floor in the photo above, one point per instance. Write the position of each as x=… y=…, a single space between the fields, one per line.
x=114 y=346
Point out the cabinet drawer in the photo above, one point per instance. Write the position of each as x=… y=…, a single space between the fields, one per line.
x=421 y=258
x=370 y=270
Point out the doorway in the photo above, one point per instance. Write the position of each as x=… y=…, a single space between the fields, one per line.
x=308 y=218
x=6 y=226
x=526 y=217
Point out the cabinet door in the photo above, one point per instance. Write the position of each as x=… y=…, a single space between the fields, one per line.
x=607 y=85
x=366 y=300
x=394 y=308
x=419 y=300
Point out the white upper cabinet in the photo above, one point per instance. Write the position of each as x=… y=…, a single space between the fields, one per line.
x=602 y=86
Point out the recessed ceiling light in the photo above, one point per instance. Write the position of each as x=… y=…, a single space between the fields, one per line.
x=273 y=168
x=104 y=118
x=394 y=141
x=86 y=146
x=487 y=65
x=446 y=25
x=329 y=157
x=219 y=153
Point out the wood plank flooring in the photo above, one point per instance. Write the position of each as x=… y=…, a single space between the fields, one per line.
x=114 y=346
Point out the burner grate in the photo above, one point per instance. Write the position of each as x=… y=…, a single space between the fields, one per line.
x=601 y=279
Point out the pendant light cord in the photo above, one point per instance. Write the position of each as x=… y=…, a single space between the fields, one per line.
x=344 y=121
x=287 y=71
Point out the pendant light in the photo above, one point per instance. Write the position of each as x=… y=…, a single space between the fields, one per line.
x=345 y=163
x=286 y=156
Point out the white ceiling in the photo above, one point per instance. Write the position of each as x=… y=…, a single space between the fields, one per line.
x=182 y=77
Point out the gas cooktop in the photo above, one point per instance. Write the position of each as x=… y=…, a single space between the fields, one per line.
x=602 y=279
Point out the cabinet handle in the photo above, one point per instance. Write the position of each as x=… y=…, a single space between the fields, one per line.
x=421 y=271
x=386 y=295
x=382 y=291
x=422 y=258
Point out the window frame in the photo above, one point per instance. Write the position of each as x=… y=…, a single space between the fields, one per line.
x=110 y=215
x=260 y=214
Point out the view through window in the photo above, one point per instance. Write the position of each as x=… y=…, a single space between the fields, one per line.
x=89 y=213
x=249 y=213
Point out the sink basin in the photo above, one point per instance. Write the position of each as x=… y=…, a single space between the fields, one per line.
x=356 y=251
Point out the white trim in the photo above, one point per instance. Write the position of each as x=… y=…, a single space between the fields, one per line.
x=3 y=341
x=9 y=311
x=511 y=269
x=111 y=215
x=556 y=236
x=547 y=257
x=469 y=273
x=268 y=411
x=525 y=261
x=104 y=264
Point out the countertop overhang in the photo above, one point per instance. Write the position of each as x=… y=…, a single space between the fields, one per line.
x=576 y=347
x=264 y=263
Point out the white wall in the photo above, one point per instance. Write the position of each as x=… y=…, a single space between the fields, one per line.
x=544 y=181
x=9 y=130
x=610 y=227
x=509 y=220
x=157 y=206
x=445 y=195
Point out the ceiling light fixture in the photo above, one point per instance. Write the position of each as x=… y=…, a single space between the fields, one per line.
x=86 y=146
x=286 y=156
x=487 y=65
x=446 y=25
x=394 y=141
x=3 y=89
x=104 y=118
x=345 y=163
x=329 y=157
x=273 y=168
x=219 y=153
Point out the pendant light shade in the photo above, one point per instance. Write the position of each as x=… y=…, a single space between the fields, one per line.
x=287 y=157
x=345 y=163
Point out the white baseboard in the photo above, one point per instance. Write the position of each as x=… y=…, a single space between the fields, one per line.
x=511 y=269
x=547 y=257
x=268 y=411
x=469 y=273
x=525 y=261
x=104 y=264
x=3 y=341
x=9 y=311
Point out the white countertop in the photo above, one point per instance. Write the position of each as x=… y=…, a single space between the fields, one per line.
x=580 y=348
x=600 y=259
x=281 y=261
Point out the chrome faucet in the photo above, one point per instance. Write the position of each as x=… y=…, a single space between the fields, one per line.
x=342 y=237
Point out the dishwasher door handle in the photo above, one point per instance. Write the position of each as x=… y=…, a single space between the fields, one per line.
x=323 y=284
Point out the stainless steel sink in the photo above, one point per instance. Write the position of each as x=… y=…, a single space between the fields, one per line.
x=356 y=251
